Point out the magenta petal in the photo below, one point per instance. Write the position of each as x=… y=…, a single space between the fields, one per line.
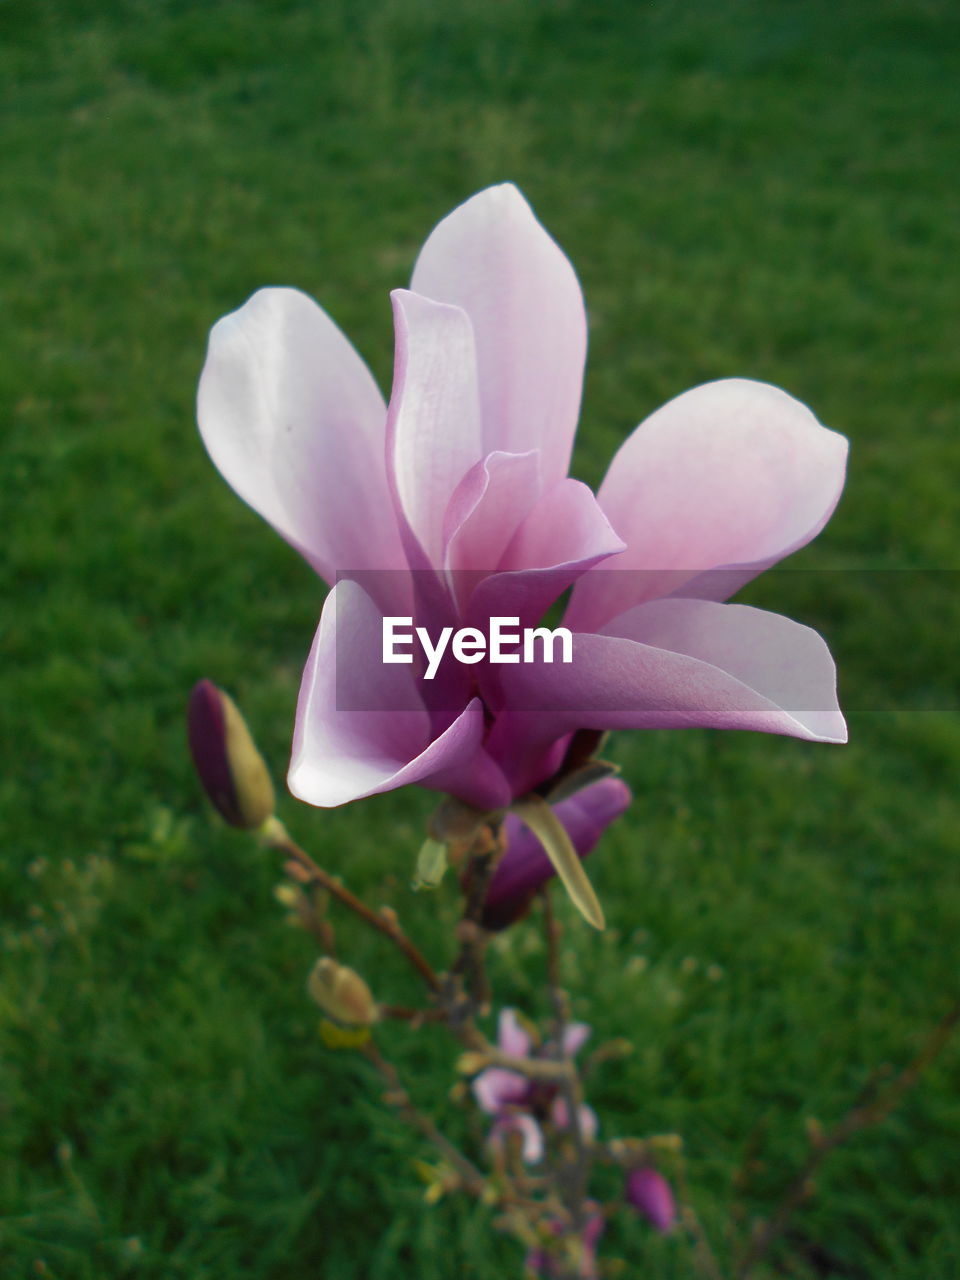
x=341 y=754
x=733 y=473
x=433 y=423
x=492 y=258
x=292 y=418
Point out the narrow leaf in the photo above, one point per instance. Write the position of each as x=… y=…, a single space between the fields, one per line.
x=534 y=811
x=431 y=865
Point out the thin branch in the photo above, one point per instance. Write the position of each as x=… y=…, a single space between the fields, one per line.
x=384 y=921
x=570 y=1090
x=488 y=846
x=863 y=1116
x=471 y=1177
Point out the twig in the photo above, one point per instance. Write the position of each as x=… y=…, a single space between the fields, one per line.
x=488 y=845
x=861 y=1116
x=384 y=921
x=471 y=1177
x=570 y=1090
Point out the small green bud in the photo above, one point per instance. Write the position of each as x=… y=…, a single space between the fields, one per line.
x=431 y=864
x=341 y=993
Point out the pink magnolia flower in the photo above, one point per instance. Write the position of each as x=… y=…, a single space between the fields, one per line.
x=518 y=1103
x=452 y=504
x=525 y=865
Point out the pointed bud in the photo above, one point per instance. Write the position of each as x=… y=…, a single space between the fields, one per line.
x=227 y=761
x=341 y=993
x=525 y=865
x=649 y=1193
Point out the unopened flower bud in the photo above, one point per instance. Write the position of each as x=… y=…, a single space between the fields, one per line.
x=341 y=993
x=227 y=761
x=649 y=1193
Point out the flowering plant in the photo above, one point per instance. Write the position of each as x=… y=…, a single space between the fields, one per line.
x=450 y=507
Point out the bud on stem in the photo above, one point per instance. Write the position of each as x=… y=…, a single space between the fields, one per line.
x=342 y=994
x=230 y=767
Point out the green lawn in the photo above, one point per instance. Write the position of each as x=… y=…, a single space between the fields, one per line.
x=756 y=187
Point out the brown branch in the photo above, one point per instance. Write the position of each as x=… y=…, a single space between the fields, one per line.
x=471 y=1177
x=487 y=847
x=862 y=1116
x=384 y=921
x=570 y=1089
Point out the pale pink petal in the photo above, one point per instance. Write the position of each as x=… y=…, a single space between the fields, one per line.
x=563 y=536
x=489 y=505
x=734 y=473
x=527 y=1127
x=512 y=1037
x=576 y=1034
x=361 y=725
x=560 y=1115
x=496 y=1089
x=493 y=258
x=292 y=418
x=433 y=423
x=674 y=664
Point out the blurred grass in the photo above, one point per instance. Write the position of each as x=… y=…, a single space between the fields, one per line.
x=761 y=188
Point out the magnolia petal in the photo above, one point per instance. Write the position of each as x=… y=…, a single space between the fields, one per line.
x=493 y=258
x=491 y=502
x=565 y=534
x=730 y=474
x=361 y=725
x=587 y=1117
x=292 y=418
x=706 y=665
x=575 y=1036
x=532 y=1146
x=433 y=423
x=496 y=1089
x=512 y=1037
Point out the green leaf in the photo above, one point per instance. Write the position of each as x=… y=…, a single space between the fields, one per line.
x=431 y=865
x=550 y=831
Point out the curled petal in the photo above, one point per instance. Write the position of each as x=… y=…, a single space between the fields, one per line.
x=512 y=1037
x=497 y=1089
x=529 y=1131
x=565 y=534
x=343 y=751
x=492 y=258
